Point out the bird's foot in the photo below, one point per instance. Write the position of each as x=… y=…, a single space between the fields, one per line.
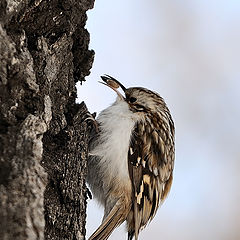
x=89 y=194
x=91 y=118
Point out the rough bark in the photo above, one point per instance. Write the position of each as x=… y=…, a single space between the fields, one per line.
x=43 y=132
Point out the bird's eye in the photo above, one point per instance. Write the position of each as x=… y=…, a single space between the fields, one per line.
x=132 y=99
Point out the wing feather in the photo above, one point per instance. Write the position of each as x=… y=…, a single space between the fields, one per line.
x=150 y=168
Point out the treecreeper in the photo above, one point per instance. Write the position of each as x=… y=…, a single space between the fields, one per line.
x=131 y=159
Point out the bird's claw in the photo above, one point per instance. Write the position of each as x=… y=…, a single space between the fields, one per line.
x=92 y=119
x=89 y=194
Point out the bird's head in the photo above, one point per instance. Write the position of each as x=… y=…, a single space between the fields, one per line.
x=140 y=100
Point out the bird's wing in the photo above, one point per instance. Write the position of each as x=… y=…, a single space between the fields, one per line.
x=150 y=160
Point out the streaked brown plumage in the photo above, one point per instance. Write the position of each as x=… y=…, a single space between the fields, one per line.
x=136 y=195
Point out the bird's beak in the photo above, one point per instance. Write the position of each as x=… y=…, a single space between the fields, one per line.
x=113 y=84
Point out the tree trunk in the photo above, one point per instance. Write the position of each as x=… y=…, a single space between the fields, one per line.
x=43 y=132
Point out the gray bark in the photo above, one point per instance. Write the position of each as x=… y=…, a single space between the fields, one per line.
x=43 y=132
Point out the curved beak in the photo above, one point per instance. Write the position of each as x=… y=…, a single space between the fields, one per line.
x=113 y=84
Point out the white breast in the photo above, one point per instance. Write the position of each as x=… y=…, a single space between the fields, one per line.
x=116 y=125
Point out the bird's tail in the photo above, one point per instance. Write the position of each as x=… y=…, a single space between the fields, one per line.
x=115 y=218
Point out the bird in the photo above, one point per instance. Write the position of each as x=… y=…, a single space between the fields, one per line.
x=131 y=158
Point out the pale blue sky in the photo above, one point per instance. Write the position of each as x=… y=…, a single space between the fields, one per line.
x=187 y=51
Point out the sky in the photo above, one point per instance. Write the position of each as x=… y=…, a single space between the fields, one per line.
x=188 y=52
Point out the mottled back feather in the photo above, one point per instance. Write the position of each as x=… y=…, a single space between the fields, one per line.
x=151 y=159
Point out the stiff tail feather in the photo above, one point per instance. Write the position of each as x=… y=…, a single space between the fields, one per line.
x=130 y=235
x=115 y=218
